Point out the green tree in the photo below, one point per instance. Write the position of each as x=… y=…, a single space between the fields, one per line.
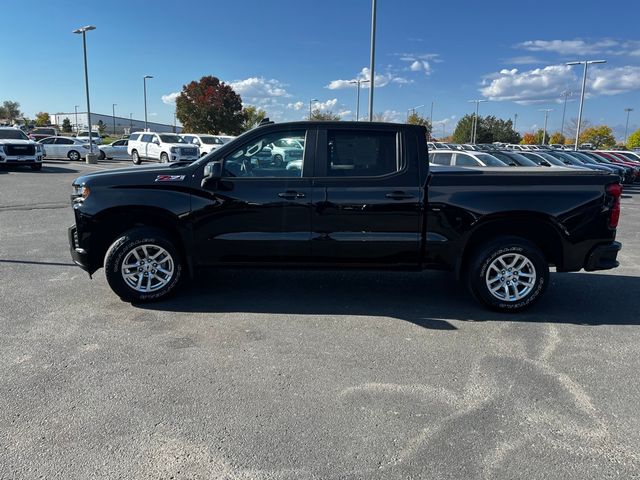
x=42 y=119
x=252 y=117
x=210 y=106
x=10 y=110
x=498 y=130
x=101 y=127
x=633 y=140
x=557 y=137
x=416 y=119
x=66 y=125
x=599 y=136
x=538 y=136
x=326 y=115
x=463 y=130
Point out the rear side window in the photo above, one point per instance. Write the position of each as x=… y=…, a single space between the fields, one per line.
x=466 y=160
x=134 y=136
x=361 y=154
x=442 y=158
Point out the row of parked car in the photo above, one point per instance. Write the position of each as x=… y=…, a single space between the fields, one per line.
x=623 y=163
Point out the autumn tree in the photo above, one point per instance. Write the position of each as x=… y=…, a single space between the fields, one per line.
x=599 y=136
x=529 y=139
x=66 y=125
x=252 y=116
x=42 y=119
x=557 y=137
x=633 y=140
x=210 y=106
x=10 y=110
x=326 y=115
x=417 y=119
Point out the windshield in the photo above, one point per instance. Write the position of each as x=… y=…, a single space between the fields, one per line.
x=211 y=140
x=44 y=131
x=490 y=160
x=171 y=139
x=515 y=157
x=11 y=134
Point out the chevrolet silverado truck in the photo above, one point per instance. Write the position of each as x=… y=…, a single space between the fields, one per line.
x=363 y=196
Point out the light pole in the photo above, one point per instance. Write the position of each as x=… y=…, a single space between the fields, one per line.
x=358 y=82
x=475 y=120
x=144 y=81
x=544 y=130
x=431 y=115
x=373 y=58
x=75 y=107
x=566 y=94
x=413 y=110
x=130 y=122
x=83 y=31
x=515 y=119
x=113 y=107
x=626 y=127
x=584 y=85
x=310 y=103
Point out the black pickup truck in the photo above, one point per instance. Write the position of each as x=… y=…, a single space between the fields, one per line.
x=343 y=195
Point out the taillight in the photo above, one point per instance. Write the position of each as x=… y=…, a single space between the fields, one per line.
x=614 y=190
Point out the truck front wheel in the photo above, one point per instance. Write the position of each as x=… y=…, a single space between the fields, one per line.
x=143 y=265
x=508 y=274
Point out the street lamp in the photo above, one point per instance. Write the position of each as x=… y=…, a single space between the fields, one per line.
x=75 y=107
x=84 y=31
x=626 y=127
x=584 y=85
x=515 y=119
x=113 y=107
x=413 y=110
x=475 y=120
x=144 y=81
x=310 y=102
x=358 y=82
x=130 y=122
x=372 y=63
x=431 y=115
x=546 y=115
x=566 y=94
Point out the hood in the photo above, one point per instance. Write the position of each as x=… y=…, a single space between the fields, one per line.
x=16 y=141
x=142 y=174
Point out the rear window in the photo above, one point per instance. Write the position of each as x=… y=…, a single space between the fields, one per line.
x=361 y=154
x=134 y=136
x=44 y=131
x=171 y=139
x=442 y=158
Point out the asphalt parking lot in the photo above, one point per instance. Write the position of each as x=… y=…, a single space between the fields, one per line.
x=305 y=375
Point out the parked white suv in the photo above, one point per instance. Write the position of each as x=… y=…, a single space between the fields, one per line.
x=206 y=143
x=160 y=147
x=17 y=149
x=286 y=150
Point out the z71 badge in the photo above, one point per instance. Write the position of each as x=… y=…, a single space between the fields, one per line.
x=169 y=178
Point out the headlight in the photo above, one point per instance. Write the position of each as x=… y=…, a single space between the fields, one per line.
x=174 y=149
x=38 y=148
x=80 y=192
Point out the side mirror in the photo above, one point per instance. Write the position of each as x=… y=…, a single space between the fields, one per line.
x=544 y=163
x=157 y=142
x=212 y=172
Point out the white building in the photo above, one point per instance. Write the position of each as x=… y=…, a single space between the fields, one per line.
x=122 y=124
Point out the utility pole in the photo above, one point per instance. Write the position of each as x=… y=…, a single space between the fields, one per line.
x=566 y=94
x=372 y=63
x=584 y=86
x=358 y=82
x=90 y=158
x=310 y=102
x=431 y=115
x=144 y=81
x=515 y=119
x=76 y=109
x=544 y=131
x=626 y=127
x=113 y=106
x=475 y=120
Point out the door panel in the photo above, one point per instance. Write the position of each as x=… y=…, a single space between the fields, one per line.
x=360 y=219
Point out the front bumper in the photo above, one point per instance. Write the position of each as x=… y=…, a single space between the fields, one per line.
x=13 y=160
x=603 y=257
x=79 y=255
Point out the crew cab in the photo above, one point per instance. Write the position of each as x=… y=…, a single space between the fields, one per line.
x=17 y=149
x=160 y=147
x=364 y=196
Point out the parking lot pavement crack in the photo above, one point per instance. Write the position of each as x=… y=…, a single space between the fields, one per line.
x=40 y=206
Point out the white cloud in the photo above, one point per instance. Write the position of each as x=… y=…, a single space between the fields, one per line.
x=344 y=113
x=578 y=46
x=328 y=105
x=545 y=84
x=523 y=60
x=296 y=105
x=382 y=80
x=259 y=87
x=419 y=62
x=170 y=98
x=444 y=121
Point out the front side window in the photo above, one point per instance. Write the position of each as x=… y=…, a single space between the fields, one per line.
x=361 y=154
x=47 y=141
x=171 y=139
x=146 y=138
x=258 y=158
x=64 y=141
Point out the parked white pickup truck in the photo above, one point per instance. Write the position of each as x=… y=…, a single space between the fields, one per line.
x=160 y=147
x=17 y=149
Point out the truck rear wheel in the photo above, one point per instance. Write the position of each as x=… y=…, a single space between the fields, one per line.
x=508 y=274
x=143 y=265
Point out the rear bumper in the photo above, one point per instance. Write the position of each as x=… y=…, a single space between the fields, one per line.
x=603 y=257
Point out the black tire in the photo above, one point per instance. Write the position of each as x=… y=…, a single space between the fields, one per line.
x=506 y=247
x=102 y=155
x=164 y=158
x=74 y=156
x=122 y=247
x=135 y=158
x=36 y=166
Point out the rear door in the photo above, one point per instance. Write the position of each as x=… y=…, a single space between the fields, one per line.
x=144 y=145
x=367 y=198
x=63 y=146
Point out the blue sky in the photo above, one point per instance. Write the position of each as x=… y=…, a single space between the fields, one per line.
x=279 y=54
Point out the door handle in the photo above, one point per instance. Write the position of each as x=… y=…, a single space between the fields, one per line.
x=289 y=195
x=398 y=196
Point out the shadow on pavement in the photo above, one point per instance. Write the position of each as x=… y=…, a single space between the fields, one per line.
x=427 y=299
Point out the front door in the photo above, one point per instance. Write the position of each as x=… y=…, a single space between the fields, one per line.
x=260 y=210
x=368 y=201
